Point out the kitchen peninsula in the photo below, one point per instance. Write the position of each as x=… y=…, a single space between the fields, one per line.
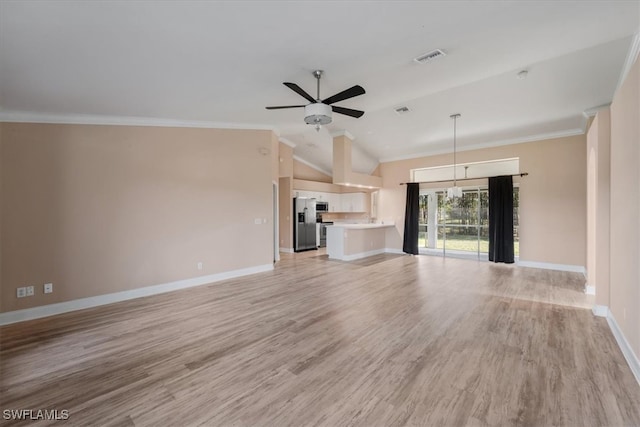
x=348 y=242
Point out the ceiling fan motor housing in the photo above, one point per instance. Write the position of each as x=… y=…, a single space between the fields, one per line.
x=317 y=114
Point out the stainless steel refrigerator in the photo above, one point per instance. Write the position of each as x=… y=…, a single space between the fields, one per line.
x=304 y=225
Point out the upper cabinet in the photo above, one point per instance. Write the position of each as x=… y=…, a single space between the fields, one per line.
x=353 y=202
x=345 y=202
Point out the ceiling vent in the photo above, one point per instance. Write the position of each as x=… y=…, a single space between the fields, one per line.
x=429 y=56
x=402 y=110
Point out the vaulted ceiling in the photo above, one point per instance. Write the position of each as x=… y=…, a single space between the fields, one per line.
x=221 y=63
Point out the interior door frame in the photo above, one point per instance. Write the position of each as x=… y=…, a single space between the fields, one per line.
x=276 y=221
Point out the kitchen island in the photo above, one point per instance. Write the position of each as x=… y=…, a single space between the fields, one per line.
x=347 y=242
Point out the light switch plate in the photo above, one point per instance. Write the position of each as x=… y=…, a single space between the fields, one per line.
x=48 y=288
x=30 y=291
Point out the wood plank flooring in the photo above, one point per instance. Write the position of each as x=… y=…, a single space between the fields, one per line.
x=390 y=340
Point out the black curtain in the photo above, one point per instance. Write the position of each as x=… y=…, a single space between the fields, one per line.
x=501 y=219
x=410 y=244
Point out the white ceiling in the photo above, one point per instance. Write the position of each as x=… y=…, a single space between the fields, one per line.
x=223 y=62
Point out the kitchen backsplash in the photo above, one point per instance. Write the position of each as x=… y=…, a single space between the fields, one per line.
x=354 y=217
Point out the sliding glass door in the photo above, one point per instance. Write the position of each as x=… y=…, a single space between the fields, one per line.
x=459 y=226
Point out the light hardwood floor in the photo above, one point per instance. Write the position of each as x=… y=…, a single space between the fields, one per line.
x=390 y=340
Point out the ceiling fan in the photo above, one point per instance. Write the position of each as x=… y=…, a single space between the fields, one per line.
x=318 y=112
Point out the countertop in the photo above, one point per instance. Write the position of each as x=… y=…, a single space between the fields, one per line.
x=360 y=226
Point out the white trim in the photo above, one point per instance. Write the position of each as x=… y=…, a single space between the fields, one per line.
x=624 y=345
x=82 y=303
x=394 y=251
x=539 y=137
x=285 y=141
x=600 y=310
x=590 y=290
x=276 y=221
x=550 y=266
x=632 y=55
x=591 y=112
x=311 y=165
x=87 y=119
x=343 y=133
x=361 y=255
x=286 y=250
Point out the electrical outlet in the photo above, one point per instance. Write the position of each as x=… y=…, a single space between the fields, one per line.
x=48 y=288
x=30 y=291
x=199 y=266
x=21 y=292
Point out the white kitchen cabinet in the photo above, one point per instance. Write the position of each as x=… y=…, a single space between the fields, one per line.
x=353 y=202
x=346 y=202
x=358 y=202
x=334 y=202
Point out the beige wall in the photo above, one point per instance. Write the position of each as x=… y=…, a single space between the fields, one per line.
x=552 y=197
x=1 y=210
x=324 y=187
x=286 y=161
x=102 y=209
x=307 y=173
x=625 y=208
x=285 y=213
x=598 y=186
x=285 y=189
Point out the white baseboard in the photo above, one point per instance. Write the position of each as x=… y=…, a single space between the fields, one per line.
x=627 y=351
x=600 y=310
x=590 y=290
x=286 y=250
x=394 y=251
x=550 y=266
x=362 y=255
x=82 y=303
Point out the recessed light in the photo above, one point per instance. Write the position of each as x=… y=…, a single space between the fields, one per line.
x=402 y=110
x=522 y=74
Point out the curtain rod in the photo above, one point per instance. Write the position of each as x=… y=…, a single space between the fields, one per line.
x=460 y=179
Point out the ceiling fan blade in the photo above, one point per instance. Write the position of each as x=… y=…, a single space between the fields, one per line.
x=345 y=94
x=297 y=89
x=347 y=111
x=284 y=106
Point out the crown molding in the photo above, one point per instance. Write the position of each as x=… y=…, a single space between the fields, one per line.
x=591 y=112
x=311 y=165
x=532 y=138
x=87 y=119
x=343 y=133
x=285 y=141
x=632 y=56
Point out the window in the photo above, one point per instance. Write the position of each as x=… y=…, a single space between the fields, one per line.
x=460 y=225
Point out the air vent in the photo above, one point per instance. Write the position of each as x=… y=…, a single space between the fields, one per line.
x=402 y=110
x=429 y=56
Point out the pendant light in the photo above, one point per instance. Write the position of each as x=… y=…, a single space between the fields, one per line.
x=454 y=191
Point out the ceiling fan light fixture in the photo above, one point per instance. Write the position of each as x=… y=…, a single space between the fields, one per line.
x=317 y=114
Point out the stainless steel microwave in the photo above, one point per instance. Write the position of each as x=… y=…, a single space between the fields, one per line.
x=322 y=207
